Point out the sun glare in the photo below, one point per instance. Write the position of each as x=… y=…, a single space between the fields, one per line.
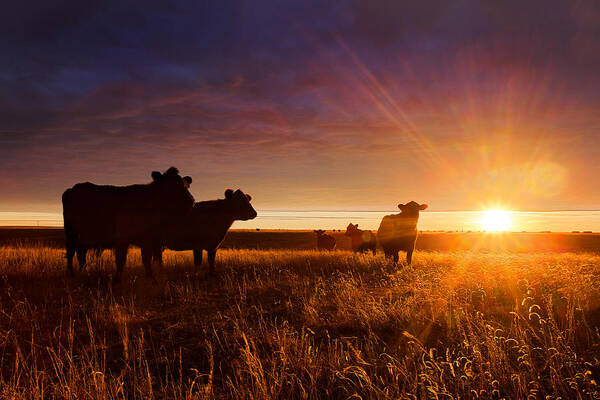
x=495 y=220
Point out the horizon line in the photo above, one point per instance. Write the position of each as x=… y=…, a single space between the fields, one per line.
x=358 y=210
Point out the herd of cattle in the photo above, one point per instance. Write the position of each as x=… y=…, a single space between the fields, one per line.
x=397 y=232
x=163 y=215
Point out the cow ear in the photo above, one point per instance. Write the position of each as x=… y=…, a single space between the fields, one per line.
x=422 y=206
x=156 y=175
x=228 y=193
x=401 y=206
x=249 y=197
x=172 y=171
x=187 y=180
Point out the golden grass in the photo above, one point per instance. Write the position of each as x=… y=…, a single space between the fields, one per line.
x=301 y=324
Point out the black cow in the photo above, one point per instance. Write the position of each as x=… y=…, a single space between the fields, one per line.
x=204 y=228
x=324 y=241
x=114 y=217
x=399 y=231
x=362 y=240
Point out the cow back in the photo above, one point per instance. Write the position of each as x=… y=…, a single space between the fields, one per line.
x=104 y=215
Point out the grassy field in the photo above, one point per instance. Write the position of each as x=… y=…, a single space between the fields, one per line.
x=293 y=324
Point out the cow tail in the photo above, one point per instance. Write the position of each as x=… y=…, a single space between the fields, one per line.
x=70 y=234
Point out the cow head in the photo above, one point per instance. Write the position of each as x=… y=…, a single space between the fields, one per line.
x=411 y=209
x=240 y=205
x=352 y=229
x=170 y=193
x=319 y=232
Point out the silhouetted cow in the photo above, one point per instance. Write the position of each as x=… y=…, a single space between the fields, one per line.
x=324 y=241
x=113 y=217
x=399 y=231
x=362 y=241
x=204 y=228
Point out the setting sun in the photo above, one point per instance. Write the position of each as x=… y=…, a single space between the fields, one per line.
x=495 y=220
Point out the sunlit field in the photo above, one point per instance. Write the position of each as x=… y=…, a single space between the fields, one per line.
x=301 y=324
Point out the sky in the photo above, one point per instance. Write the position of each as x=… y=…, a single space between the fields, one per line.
x=463 y=105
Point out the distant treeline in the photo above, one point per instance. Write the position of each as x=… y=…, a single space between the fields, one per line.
x=304 y=240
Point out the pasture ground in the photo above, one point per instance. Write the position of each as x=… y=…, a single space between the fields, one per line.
x=294 y=324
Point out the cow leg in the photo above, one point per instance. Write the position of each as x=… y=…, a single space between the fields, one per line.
x=157 y=256
x=395 y=257
x=388 y=254
x=409 y=254
x=70 y=245
x=81 y=257
x=198 y=257
x=70 y=255
x=211 y=259
x=147 y=260
x=120 y=260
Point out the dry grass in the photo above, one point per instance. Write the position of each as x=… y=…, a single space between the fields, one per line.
x=301 y=324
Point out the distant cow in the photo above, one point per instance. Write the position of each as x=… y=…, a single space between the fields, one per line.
x=204 y=228
x=324 y=241
x=114 y=217
x=362 y=241
x=399 y=231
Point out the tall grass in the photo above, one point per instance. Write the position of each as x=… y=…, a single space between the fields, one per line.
x=301 y=324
